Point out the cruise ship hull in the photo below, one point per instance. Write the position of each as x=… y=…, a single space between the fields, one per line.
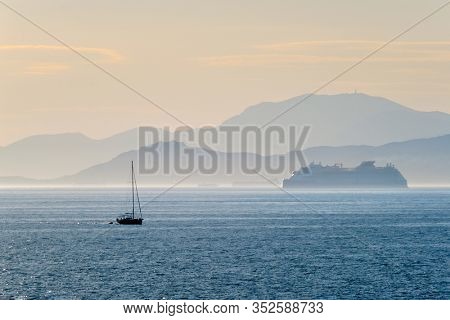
x=364 y=176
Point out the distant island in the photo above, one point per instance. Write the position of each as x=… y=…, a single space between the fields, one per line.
x=366 y=175
x=348 y=127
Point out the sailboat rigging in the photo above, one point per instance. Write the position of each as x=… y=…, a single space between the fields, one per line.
x=132 y=217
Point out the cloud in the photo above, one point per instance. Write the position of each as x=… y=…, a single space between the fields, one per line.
x=45 y=68
x=316 y=52
x=268 y=59
x=284 y=46
x=106 y=55
x=39 y=59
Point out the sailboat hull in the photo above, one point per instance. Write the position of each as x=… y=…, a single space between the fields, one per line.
x=128 y=221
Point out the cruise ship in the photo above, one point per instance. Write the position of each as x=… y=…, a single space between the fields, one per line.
x=366 y=175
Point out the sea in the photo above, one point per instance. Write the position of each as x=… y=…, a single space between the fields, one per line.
x=225 y=243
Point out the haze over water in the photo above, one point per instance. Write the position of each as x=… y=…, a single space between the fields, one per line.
x=225 y=244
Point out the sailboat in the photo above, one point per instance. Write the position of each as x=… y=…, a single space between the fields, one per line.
x=132 y=217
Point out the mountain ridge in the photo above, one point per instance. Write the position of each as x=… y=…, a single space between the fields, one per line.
x=337 y=120
x=422 y=161
x=348 y=119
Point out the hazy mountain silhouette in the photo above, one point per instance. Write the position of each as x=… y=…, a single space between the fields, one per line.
x=51 y=156
x=116 y=171
x=344 y=119
x=348 y=119
x=422 y=161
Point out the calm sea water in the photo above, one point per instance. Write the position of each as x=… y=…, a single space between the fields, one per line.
x=225 y=244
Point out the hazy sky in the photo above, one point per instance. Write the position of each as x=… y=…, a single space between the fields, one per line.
x=205 y=61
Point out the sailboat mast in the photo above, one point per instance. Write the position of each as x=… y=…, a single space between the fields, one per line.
x=132 y=185
x=137 y=196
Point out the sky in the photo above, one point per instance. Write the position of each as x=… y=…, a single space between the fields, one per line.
x=205 y=61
